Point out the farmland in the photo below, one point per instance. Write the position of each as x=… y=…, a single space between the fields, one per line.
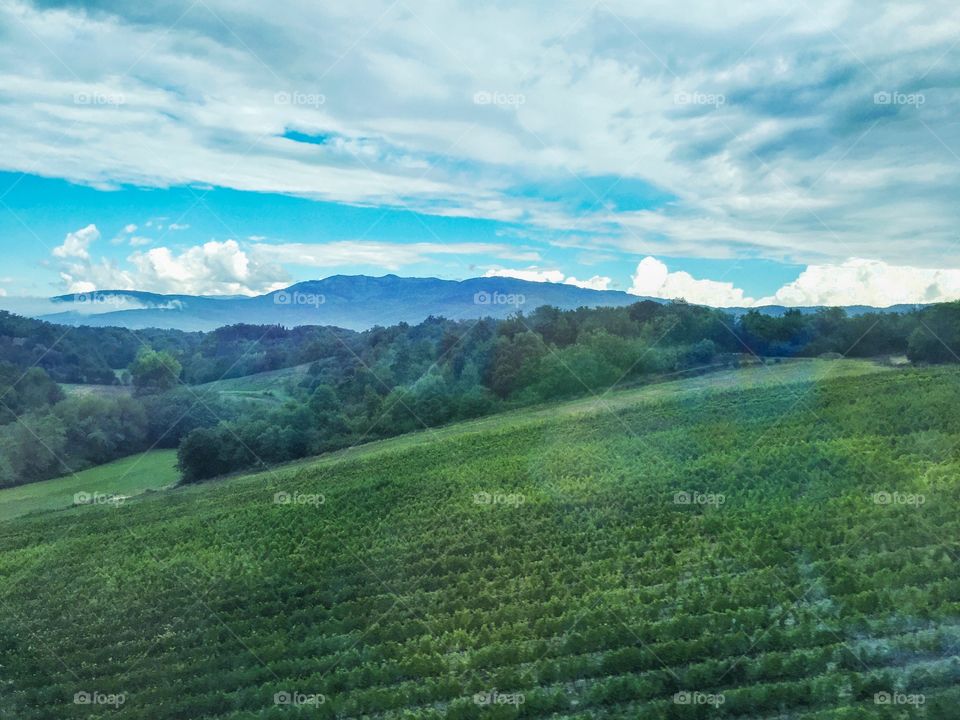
x=775 y=541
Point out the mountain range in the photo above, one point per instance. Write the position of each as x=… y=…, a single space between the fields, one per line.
x=356 y=302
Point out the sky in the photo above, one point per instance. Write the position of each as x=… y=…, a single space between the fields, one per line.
x=792 y=152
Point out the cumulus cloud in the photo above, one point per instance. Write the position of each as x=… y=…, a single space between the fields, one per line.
x=653 y=279
x=76 y=244
x=597 y=282
x=855 y=281
x=214 y=268
x=858 y=281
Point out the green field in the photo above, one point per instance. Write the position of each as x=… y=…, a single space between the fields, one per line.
x=271 y=387
x=129 y=476
x=772 y=542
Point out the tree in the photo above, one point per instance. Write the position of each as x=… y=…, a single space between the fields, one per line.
x=155 y=371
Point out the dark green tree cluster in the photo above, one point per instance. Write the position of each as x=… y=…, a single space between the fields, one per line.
x=389 y=380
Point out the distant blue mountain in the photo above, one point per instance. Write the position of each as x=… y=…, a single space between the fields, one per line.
x=357 y=302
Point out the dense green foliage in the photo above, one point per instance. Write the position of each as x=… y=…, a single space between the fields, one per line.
x=812 y=568
x=385 y=381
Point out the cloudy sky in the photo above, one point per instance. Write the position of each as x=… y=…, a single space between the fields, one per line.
x=788 y=151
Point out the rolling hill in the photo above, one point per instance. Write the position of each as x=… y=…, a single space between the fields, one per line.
x=775 y=541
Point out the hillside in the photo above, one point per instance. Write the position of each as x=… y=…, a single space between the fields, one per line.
x=769 y=540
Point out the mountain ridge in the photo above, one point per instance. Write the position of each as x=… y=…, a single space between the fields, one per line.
x=356 y=302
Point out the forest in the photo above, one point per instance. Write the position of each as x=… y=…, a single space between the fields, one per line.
x=362 y=386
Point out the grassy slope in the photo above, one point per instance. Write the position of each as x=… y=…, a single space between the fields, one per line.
x=128 y=476
x=597 y=593
x=270 y=387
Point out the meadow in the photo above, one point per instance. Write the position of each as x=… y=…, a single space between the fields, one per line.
x=127 y=477
x=778 y=541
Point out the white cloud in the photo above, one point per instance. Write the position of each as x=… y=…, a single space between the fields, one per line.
x=597 y=282
x=130 y=229
x=214 y=268
x=140 y=241
x=178 y=226
x=858 y=281
x=530 y=274
x=798 y=162
x=76 y=244
x=653 y=279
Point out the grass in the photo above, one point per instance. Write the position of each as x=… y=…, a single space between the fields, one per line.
x=782 y=537
x=83 y=390
x=270 y=387
x=128 y=476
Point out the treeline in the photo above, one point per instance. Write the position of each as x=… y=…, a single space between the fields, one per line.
x=381 y=382
x=96 y=355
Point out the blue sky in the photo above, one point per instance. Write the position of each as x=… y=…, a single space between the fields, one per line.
x=798 y=153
